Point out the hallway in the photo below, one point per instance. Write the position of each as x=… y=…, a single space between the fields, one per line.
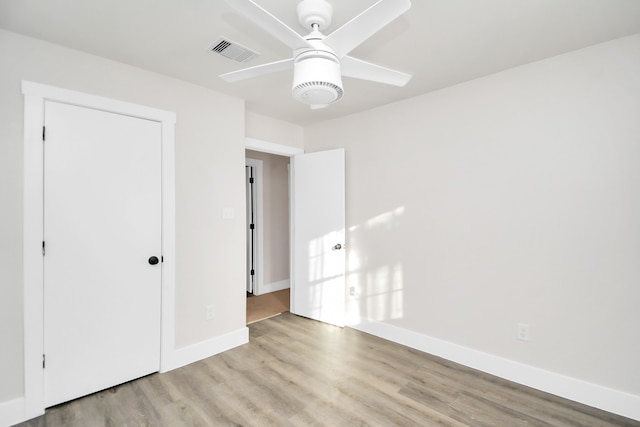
x=260 y=307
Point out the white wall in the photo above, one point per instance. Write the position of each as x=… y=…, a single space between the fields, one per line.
x=209 y=176
x=511 y=198
x=273 y=130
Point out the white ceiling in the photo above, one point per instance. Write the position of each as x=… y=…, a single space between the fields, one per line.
x=440 y=42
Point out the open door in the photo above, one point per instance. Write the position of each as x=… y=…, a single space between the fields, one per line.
x=318 y=236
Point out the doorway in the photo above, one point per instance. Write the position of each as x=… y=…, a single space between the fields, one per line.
x=267 y=231
x=315 y=200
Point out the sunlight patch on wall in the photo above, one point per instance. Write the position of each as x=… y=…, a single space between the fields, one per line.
x=375 y=279
x=385 y=220
x=385 y=293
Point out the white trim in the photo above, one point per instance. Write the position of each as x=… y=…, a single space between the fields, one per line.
x=33 y=271
x=211 y=347
x=34 y=97
x=259 y=224
x=168 y=320
x=12 y=412
x=270 y=147
x=292 y=235
x=274 y=286
x=81 y=99
x=615 y=401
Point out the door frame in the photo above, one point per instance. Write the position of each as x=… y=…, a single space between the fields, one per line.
x=35 y=95
x=258 y=246
x=280 y=150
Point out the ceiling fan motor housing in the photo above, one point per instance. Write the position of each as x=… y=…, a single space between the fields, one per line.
x=316 y=78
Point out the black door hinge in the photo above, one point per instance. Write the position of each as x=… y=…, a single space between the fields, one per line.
x=43 y=133
x=43 y=362
x=251 y=180
x=43 y=249
x=252 y=226
x=253 y=272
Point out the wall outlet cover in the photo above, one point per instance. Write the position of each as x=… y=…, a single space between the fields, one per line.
x=523 y=332
x=210 y=312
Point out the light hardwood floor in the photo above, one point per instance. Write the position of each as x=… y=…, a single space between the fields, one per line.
x=264 y=306
x=298 y=372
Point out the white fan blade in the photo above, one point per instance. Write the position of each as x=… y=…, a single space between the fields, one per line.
x=356 y=68
x=258 y=70
x=353 y=33
x=270 y=23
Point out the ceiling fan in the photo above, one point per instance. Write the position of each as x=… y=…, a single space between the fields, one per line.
x=320 y=61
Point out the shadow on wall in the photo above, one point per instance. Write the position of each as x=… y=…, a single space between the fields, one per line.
x=375 y=289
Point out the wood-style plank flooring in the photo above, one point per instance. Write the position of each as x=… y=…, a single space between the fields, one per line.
x=298 y=372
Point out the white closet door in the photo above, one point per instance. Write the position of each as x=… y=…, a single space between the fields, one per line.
x=102 y=180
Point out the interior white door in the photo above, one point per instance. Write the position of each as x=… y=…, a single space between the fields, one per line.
x=318 y=236
x=102 y=221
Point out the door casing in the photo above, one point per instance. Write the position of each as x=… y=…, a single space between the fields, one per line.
x=258 y=237
x=33 y=272
x=279 y=150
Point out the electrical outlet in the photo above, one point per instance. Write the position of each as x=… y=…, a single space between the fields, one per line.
x=353 y=292
x=523 y=332
x=211 y=312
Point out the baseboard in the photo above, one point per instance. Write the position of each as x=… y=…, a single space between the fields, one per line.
x=202 y=350
x=266 y=288
x=607 y=399
x=12 y=412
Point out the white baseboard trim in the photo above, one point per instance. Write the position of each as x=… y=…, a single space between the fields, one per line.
x=202 y=350
x=607 y=399
x=266 y=288
x=12 y=412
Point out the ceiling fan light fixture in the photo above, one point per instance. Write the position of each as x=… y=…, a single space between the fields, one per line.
x=317 y=79
x=318 y=60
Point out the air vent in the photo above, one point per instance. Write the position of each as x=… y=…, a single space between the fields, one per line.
x=233 y=50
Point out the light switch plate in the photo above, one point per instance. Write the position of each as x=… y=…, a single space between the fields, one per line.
x=228 y=213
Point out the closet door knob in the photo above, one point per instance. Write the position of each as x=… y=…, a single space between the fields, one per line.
x=153 y=260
